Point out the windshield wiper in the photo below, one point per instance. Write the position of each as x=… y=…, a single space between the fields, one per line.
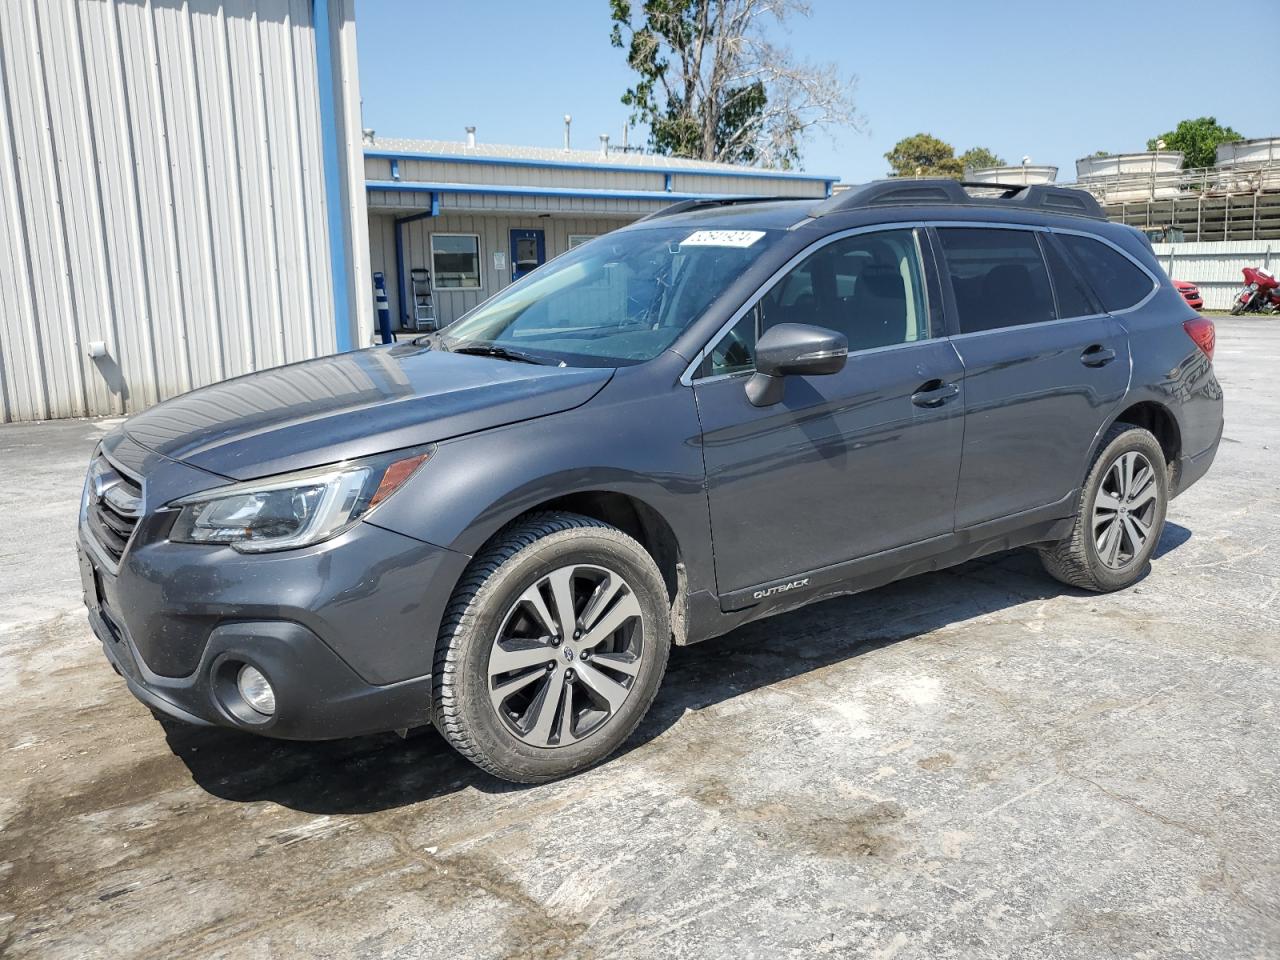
x=493 y=350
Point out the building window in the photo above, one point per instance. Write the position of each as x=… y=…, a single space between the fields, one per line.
x=455 y=261
x=578 y=239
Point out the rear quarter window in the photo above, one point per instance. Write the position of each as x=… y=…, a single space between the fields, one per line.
x=1073 y=294
x=1117 y=280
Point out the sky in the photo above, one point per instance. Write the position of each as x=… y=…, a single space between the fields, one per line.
x=1051 y=81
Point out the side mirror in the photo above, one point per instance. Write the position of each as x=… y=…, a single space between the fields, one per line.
x=793 y=349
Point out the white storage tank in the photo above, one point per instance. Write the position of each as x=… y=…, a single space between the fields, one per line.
x=1266 y=150
x=1121 y=177
x=1249 y=165
x=1022 y=173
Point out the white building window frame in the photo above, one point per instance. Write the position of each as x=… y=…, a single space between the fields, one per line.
x=578 y=239
x=435 y=285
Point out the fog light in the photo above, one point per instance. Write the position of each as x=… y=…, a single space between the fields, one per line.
x=255 y=689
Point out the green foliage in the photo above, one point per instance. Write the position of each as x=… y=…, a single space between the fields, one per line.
x=924 y=155
x=1198 y=140
x=979 y=158
x=711 y=85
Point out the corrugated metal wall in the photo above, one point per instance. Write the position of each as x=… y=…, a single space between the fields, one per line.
x=1215 y=266
x=161 y=191
x=493 y=233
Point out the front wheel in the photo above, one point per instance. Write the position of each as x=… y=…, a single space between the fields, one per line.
x=1120 y=514
x=552 y=648
x=1239 y=306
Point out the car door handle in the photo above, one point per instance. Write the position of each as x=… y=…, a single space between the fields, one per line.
x=934 y=393
x=1097 y=356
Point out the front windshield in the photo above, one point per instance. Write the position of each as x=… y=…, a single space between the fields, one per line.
x=622 y=298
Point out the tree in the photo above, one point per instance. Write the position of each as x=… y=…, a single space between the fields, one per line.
x=979 y=158
x=924 y=155
x=711 y=86
x=1198 y=140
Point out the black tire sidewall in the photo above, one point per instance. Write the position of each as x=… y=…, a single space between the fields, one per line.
x=507 y=754
x=1141 y=441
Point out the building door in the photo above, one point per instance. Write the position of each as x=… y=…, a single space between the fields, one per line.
x=528 y=251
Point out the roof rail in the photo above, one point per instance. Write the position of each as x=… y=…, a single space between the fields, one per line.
x=894 y=193
x=683 y=205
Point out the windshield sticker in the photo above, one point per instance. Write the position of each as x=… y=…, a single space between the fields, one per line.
x=722 y=238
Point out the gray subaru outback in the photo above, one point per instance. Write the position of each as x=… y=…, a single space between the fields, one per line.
x=720 y=413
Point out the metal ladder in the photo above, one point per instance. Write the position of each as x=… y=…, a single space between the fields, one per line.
x=424 y=309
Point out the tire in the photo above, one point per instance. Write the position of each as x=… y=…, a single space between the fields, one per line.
x=1237 y=308
x=1097 y=562
x=504 y=613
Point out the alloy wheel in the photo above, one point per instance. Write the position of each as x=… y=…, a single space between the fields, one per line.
x=566 y=655
x=1124 y=509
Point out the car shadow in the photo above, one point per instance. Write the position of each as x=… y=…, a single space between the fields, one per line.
x=367 y=774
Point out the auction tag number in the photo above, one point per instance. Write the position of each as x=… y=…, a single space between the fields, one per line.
x=722 y=238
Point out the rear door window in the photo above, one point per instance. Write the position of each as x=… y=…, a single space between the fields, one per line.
x=998 y=276
x=1073 y=296
x=1117 y=280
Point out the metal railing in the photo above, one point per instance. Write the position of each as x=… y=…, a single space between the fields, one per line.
x=1166 y=184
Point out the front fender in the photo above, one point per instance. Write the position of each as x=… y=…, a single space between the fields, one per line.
x=630 y=440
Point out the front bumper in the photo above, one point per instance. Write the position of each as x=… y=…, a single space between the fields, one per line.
x=318 y=697
x=343 y=631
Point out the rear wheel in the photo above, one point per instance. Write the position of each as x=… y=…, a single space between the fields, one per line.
x=1120 y=515
x=553 y=647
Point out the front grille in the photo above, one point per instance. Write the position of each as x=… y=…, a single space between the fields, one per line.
x=112 y=507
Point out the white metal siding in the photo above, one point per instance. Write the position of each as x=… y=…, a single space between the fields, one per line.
x=161 y=190
x=573 y=178
x=1215 y=266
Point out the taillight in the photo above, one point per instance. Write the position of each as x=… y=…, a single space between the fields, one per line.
x=1201 y=331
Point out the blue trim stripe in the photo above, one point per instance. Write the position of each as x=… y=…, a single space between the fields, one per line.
x=402 y=186
x=337 y=210
x=582 y=165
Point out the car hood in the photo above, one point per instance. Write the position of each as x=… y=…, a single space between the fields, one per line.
x=353 y=405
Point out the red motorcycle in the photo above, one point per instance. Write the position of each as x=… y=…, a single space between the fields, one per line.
x=1261 y=293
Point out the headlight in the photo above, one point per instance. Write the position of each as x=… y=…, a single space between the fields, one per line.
x=294 y=510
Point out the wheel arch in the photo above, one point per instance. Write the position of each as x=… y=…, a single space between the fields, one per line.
x=1154 y=416
x=633 y=515
x=1159 y=420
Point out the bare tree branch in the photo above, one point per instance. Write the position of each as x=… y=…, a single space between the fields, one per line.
x=743 y=97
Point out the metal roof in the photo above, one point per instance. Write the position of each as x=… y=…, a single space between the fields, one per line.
x=454 y=151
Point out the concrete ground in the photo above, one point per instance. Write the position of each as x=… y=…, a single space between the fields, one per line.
x=975 y=763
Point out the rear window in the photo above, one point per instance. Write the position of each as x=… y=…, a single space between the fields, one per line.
x=1117 y=280
x=998 y=277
